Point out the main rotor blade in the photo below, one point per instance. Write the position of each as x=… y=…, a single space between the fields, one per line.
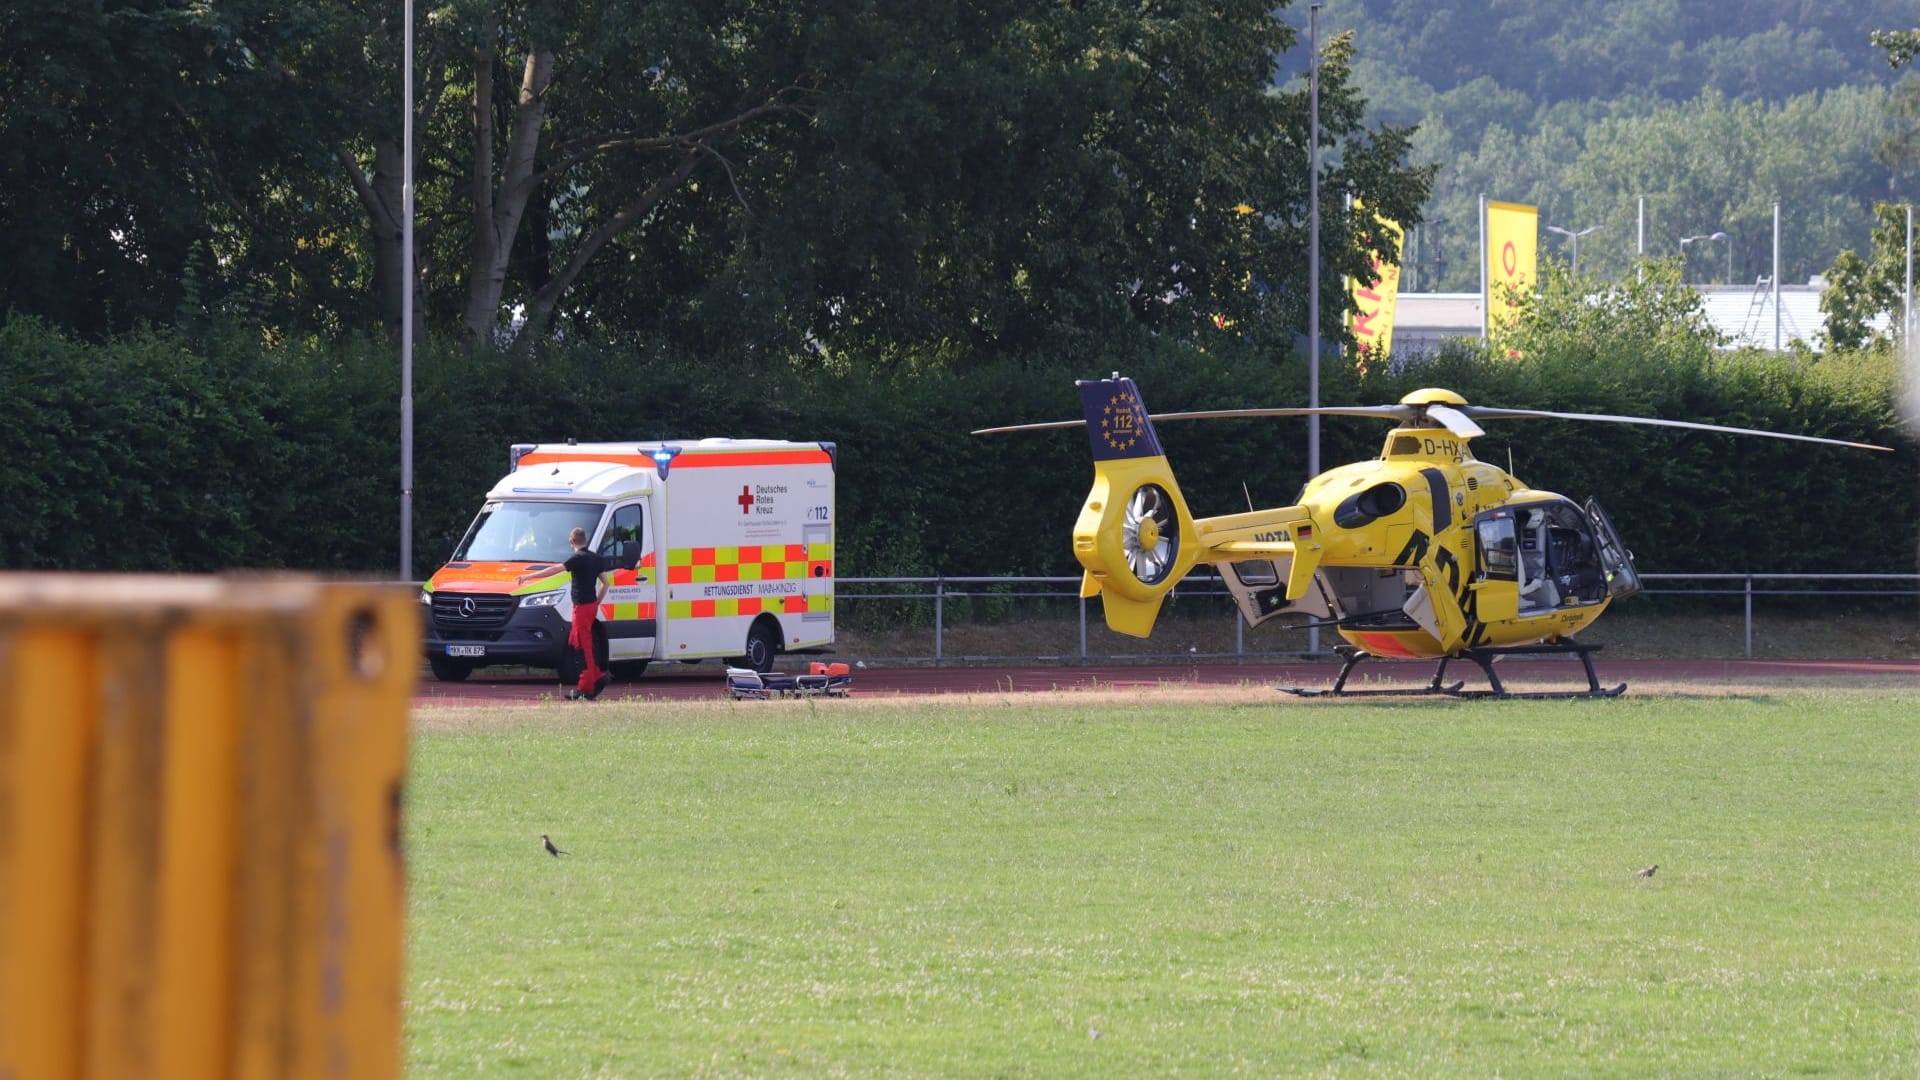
x=1377 y=412
x=1455 y=421
x=1488 y=413
x=1030 y=427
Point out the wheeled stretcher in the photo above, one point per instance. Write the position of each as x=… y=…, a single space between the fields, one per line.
x=832 y=680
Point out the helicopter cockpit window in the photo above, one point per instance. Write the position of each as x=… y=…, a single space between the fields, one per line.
x=1256 y=573
x=1499 y=548
x=1576 y=563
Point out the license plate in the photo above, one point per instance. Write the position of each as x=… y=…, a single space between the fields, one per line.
x=466 y=650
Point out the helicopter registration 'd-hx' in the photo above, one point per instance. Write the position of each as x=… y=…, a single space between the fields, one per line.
x=1421 y=553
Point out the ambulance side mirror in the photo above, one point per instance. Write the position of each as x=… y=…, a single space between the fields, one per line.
x=629 y=556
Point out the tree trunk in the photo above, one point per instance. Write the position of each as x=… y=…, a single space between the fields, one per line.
x=497 y=211
x=380 y=195
x=385 y=221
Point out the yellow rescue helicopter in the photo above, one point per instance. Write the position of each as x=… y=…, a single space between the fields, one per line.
x=1421 y=553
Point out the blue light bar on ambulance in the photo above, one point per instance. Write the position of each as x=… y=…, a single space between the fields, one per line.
x=663 y=459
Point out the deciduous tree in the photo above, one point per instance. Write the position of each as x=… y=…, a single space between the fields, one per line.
x=1862 y=290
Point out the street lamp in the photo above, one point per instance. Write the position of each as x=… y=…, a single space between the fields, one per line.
x=406 y=298
x=1685 y=240
x=1313 y=264
x=1575 y=237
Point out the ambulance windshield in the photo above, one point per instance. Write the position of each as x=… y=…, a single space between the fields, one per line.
x=526 y=531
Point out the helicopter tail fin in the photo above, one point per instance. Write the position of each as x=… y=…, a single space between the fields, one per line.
x=1135 y=537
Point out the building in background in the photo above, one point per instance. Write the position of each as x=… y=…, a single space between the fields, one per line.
x=1743 y=313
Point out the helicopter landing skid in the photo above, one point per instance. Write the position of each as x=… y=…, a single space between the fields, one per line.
x=1481 y=656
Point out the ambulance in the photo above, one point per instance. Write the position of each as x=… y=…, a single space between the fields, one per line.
x=726 y=547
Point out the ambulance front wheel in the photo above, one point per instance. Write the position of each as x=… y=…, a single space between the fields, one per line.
x=763 y=645
x=447 y=669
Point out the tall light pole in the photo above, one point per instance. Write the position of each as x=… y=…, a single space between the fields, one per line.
x=1575 y=237
x=406 y=303
x=1313 y=261
x=1313 y=237
x=1486 y=295
x=1776 y=277
x=1685 y=240
x=1640 y=248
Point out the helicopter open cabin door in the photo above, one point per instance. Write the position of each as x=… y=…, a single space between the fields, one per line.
x=1259 y=589
x=1499 y=590
x=1615 y=560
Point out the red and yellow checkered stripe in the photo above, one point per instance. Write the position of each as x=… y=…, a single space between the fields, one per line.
x=767 y=562
x=703 y=565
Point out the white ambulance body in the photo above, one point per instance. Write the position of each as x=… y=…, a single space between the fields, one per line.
x=730 y=541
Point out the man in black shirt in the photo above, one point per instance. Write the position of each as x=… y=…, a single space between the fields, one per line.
x=589 y=586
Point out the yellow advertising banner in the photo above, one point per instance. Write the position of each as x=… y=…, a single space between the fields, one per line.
x=1372 y=324
x=1513 y=239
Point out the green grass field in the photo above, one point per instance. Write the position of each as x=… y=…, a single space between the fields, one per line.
x=1169 y=883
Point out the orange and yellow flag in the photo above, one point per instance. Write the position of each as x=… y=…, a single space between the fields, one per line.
x=1372 y=324
x=1513 y=239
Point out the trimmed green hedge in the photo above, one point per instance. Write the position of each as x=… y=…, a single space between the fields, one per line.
x=151 y=454
x=156 y=452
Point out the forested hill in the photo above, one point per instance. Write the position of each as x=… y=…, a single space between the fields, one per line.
x=1711 y=110
x=1554 y=51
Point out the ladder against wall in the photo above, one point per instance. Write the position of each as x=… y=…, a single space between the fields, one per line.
x=1757 y=308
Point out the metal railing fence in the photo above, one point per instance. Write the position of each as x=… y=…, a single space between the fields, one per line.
x=941 y=591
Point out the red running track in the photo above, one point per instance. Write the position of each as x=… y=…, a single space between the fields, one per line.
x=705 y=681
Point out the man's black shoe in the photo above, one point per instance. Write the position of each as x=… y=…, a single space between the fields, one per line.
x=594 y=693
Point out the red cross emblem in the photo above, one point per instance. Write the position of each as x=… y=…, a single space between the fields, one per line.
x=746 y=499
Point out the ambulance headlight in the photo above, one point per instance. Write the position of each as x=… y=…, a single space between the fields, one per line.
x=426 y=597
x=543 y=599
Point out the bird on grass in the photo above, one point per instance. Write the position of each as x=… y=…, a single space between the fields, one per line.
x=551 y=850
x=1648 y=872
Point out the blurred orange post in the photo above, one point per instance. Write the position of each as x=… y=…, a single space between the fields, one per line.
x=200 y=788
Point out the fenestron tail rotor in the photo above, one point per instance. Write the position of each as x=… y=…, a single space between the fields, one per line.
x=1150 y=534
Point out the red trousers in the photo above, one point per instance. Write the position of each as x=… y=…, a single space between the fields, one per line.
x=581 y=637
